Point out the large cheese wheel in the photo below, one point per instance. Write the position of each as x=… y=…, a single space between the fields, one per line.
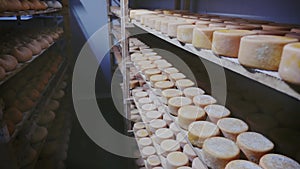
x=218 y=151
x=204 y=100
x=176 y=102
x=184 y=83
x=227 y=42
x=278 y=161
x=153 y=58
x=191 y=92
x=232 y=127
x=276 y=27
x=149 y=107
x=216 y=112
x=172 y=27
x=189 y=114
x=289 y=68
x=163 y=134
x=138 y=126
x=185 y=33
x=199 y=131
x=169 y=93
x=254 y=145
x=262 y=51
x=144 y=100
x=143 y=68
x=217 y=25
x=202 y=37
x=176 y=159
x=243 y=164
x=151 y=115
x=168 y=146
x=139 y=95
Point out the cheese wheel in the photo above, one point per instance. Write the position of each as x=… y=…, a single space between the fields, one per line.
x=184 y=83
x=149 y=54
x=157 y=78
x=172 y=28
x=202 y=23
x=143 y=68
x=164 y=25
x=176 y=76
x=145 y=17
x=219 y=151
x=199 y=131
x=143 y=101
x=135 y=90
x=46 y=117
x=146 y=50
x=163 y=66
x=254 y=145
x=232 y=127
x=175 y=103
x=227 y=42
x=152 y=161
x=169 y=93
x=176 y=159
x=149 y=107
x=204 y=100
x=276 y=27
x=134 y=112
x=197 y=164
x=163 y=85
x=168 y=146
x=173 y=127
x=149 y=72
x=202 y=37
x=289 y=68
x=156 y=124
x=191 y=92
x=217 y=25
x=216 y=112
x=187 y=150
x=185 y=33
x=144 y=142
x=148 y=151
x=262 y=51
x=189 y=114
x=39 y=134
x=170 y=70
x=139 y=95
x=278 y=161
x=244 y=27
x=184 y=167
x=160 y=61
x=151 y=115
x=143 y=62
x=150 y=22
x=142 y=133
x=158 y=23
x=153 y=58
x=163 y=134
x=138 y=126
x=181 y=138
x=244 y=164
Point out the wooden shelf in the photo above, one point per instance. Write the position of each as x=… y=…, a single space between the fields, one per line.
x=268 y=78
x=29 y=12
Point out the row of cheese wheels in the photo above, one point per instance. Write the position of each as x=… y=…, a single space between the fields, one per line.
x=254 y=48
x=203 y=134
x=23 y=5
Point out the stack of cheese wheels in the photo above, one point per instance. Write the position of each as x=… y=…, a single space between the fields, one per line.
x=216 y=112
x=189 y=114
x=254 y=145
x=157 y=78
x=176 y=159
x=172 y=27
x=175 y=103
x=185 y=33
x=184 y=83
x=244 y=164
x=168 y=146
x=218 y=151
x=202 y=37
x=191 y=92
x=199 y=131
x=227 y=42
x=277 y=161
x=232 y=127
x=204 y=100
x=262 y=51
x=169 y=93
x=163 y=134
x=153 y=161
x=289 y=68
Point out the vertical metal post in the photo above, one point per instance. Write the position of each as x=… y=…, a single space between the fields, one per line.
x=187 y=5
x=110 y=38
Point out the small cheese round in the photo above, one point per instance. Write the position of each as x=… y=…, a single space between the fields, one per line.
x=232 y=127
x=204 y=100
x=149 y=54
x=149 y=107
x=149 y=72
x=168 y=146
x=173 y=28
x=184 y=83
x=143 y=101
x=143 y=62
x=138 y=126
x=254 y=145
x=176 y=159
x=144 y=142
x=191 y=92
x=156 y=124
x=171 y=70
x=262 y=51
x=197 y=164
x=151 y=115
x=175 y=103
x=134 y=112
x=40 y=133
x=202 y=23
x=143 y=68
x=163 y=134
x=276 y=27
x=169 y=93
x=243 y=164
x=163 y=66
x=227 y=42
x=142 y=133
x=202 y=37
x=199 y=131
x=163 y=85
x=153 y=58
x=139 y=95
x=188 y=150
x=148 y=151
x=152 y=161
x=185 y=33
x=218 y=151
x=289 y=68
x=188 y=114
x=216 y=112
x=278 y=161
x=174 y=128
x=157 y=78
x=181 y=138
x=176 y=76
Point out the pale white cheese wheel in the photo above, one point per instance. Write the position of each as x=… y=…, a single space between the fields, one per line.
x=143 y=68
x=197 y=164
x=191 y=92
x=157 y=78
x=184 y=83
x=149 y=54
x=202 y=24
x=146 y=50
x=204 y=100
x=143 y=101
x=164 y=25
x=171 y=70
x=153 y=58
x=232 y=127
x=227 y=42
x=139 y=95
x=168 y=146
x=278 y=161
x=149 y=72
x=218 y=151
x=135 y=90
x=185 y=33
x=169 y=93
x=217 y=25
x=199 y=131
x=151 y=115
x=156 y=124
x=160 y=61
x=244 y=164
x=172 y=27
x=163 y=85
x=153 y=161
x=149 y=107
x=181 y=138
x=176 y=159
x=174 y=128
x=150 y=22
x=142 y=133
x=143 y=62
x=138 y=126
x=188 y=150
x=216 y=112
x=145 y=17
x=163 y=66
x=175 y=103
x=188 y=114
x=202 y=37
x=176 y=76
x=163 y=134
x=262 y=51
x=289 y=68
x=148 y=151
x=144 y=142
x=254 y=145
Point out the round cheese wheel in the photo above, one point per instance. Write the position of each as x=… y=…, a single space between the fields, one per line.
x=46 y=117
x=191 y=92
x=163 y=66
x=143 y=62
x=143 y=68
x=168 y=146
x=289 y=68
x=148 y=151
x=219 y=151
x=276 y=27
x=143 y=101
x=255 y=51
x=142 y=133
x=176 y=76
x=151 y=115
x=244 y=27
x=134 y=111
x=204 y=100
x=217 y=25
x=202 y=37
x=173 y=27
x=152 y=161
x=216 y=112
x=138 y=126
x=181 y=138
x=39 y=134
x=163 y=134
x=163 y=85
x=197 y=164
x=278 y=161
x=199 y=131
x=153 y=58
x=149 y=54
x=184 y=83
x=202 y=23
x=157 y=78
x=149 y=107
x=169 y=93
x=139 y=95
x=244 y=164
x=170 y=70
x=174 y=128
x=156 y=124
x=227 y=42
x=185 y=33
x=148 y=73
x=53 y=105
x=189 y=114
x=175 y=103
x=232 y=127
x=143 y=142
x=188 y=150
x=254 y=145
x=13 y=114
x=176 y=159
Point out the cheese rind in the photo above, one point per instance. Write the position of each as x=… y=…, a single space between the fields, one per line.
x=172 y=27
x=169 y=93
x=176 y=159
x=189 y=114
x=184 y=83
x=244 y=164
x=232 y=127
x=185 y=33
x=216 y=112
x=191 y=92
x=204 y=100
x=278 y=161
x=168 y=146
x=175 y=103
x=202 y=37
